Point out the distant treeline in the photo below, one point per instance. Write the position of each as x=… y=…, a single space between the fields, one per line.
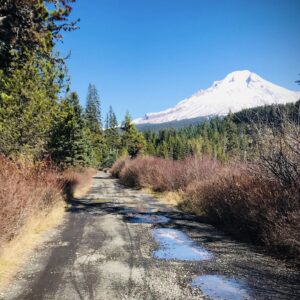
x=223 y=138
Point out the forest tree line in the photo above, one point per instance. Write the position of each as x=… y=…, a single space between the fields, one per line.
x=234 y=136
x=38 y=123
x=40 y=118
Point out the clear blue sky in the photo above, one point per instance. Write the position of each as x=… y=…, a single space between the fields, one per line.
x=146 y=55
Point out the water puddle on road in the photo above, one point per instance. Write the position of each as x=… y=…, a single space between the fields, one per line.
x=149 y=219
x=220 y=287
x=176 y=245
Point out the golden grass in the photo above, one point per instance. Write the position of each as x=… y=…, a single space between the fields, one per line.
x=15 y=253
x=171 y=198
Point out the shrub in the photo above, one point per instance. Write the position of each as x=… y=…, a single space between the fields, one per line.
x=26 y=188
x=245 y=199
x=251 y=206
x=162 y=174
x=118 y=166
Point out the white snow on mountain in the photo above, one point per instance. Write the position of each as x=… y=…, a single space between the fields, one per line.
x=237 y=91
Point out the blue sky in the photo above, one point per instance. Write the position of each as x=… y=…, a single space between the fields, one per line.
x=147 y=55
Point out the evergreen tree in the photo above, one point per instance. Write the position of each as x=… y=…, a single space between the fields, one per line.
x=94 y=124
x=27 y=106
x=112 y=135
x=112 y=139
x=31 y=75
x=132 y=140
x=69 y=144
x=93 y=110
x=31 y=26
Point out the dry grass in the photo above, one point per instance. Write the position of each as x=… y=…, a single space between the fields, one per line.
x=174 y=198
x=244 y=199
x=25 y=189
x=14 y=253
x=32 y=202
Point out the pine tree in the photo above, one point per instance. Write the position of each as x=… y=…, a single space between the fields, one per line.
x=94 y=124
x=31 y=74
x=112 y=139
x=31 y=26
x=93 y=110
x=69 y=144
x=27 y=106
x=132 y=140
x=112 y=133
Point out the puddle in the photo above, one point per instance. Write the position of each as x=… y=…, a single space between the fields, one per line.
x=149 y=219
x=220 y=287
x=174 y=244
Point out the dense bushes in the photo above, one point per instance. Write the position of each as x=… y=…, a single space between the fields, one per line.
x=26 y=189
x=246 y=199
x=162 y=174
x=251 y=206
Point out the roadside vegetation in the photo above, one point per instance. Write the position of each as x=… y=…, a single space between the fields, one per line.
x=33 y=199
x=252 y=191
x=241 y=171
x=50 y=145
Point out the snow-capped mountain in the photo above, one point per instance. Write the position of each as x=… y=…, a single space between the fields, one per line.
x=237 y=91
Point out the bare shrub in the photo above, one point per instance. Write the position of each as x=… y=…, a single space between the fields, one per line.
x=162 y=174
x=76 y=181
x=241 y=197
x=278 y=146
x=250 y=205
x=118 y=166
x=26 y=188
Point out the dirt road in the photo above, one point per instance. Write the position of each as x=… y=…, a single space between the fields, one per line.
x=118 y=243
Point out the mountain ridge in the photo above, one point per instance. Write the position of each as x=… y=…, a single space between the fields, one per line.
x=238 y=90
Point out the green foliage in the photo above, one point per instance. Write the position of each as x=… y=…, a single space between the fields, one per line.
x=94 y=124
x=31 y=26
x=27 y=106
x=220 y=138
x=112 y=136
x=93 y=110
x=269 y=114
x=31 y=75
x=132 y=140
x=70 y=144
x=232 y=137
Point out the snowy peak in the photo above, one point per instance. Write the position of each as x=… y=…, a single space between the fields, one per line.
x=237 y=91
x=242 y=77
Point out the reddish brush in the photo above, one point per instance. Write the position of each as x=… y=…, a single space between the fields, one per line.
x=24 y=189
x=251 y=206
x=250 y=203
x=161 y=174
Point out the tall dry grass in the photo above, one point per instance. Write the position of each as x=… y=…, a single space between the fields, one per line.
x=244 y=199
x=26 y=189
x=31 y=203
